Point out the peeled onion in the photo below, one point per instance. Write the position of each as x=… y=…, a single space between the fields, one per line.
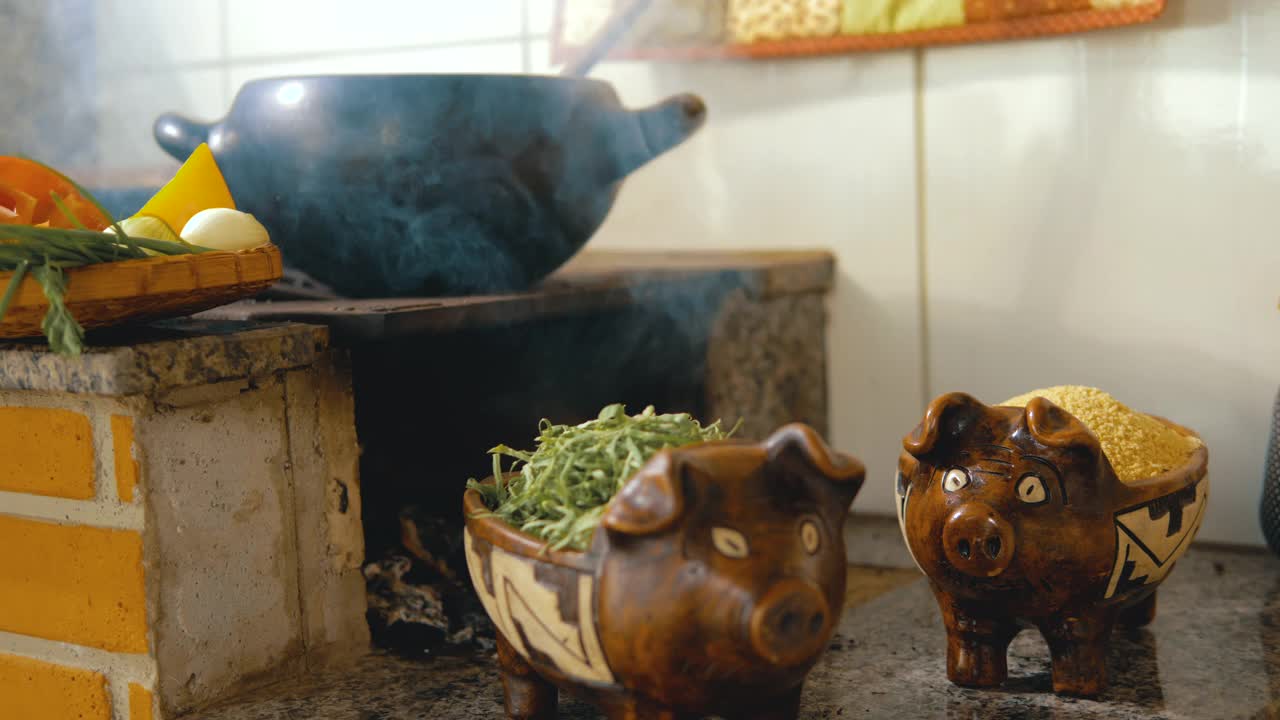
x=225 y=229
x=145 y=226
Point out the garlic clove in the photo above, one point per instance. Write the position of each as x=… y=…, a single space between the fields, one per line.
x=225 y=229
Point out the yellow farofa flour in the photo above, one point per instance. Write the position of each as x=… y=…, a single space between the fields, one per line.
x=1138 y=445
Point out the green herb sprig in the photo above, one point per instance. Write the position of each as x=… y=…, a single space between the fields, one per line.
x=559 y=490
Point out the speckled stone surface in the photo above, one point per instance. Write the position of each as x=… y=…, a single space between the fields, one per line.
x=767 y=362
x=1212 y=653
x=593 y=281
x=163 y=356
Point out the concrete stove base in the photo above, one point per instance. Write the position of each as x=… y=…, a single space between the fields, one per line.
x=179 y=519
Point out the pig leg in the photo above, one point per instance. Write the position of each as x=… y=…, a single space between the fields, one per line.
x=977 y=647
x=528 y=696
x=1078 y=649
x=1140 y=615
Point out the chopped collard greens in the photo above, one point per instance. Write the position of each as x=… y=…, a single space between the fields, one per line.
x=558 y=491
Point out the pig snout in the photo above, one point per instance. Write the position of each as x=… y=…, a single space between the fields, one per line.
x=977 y=540
x=791 y=623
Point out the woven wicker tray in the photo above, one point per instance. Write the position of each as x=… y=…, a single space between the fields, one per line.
x=133 y=290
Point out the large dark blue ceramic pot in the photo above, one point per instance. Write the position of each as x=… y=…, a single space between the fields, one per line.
x=431 y=184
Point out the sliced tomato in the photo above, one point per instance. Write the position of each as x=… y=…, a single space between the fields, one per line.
x=42 y=183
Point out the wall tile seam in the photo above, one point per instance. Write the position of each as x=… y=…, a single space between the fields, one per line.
x=72 y=513
x=249 y=60
x=99 y=412
x=104 y=458
x=119 y=669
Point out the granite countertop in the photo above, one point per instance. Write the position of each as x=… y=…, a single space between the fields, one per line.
x=592 y=281
x=254 y=338
x=154 y=358
x=1213 y=652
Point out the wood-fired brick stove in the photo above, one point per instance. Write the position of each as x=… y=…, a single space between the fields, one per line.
x=438 y=382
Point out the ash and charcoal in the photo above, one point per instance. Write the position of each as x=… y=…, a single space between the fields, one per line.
x=419 y=593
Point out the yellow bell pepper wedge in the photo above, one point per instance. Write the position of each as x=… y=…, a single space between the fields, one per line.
x=199 y=185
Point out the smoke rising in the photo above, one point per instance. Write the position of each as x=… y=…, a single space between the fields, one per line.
x=46 y=77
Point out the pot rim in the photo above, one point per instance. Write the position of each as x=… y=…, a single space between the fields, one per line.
x=496 y=531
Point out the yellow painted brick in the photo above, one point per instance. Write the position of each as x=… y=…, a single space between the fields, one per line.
x=126 y=465
x=44 y=451
x=140 y=703
x=72 y=583
x=35 y=690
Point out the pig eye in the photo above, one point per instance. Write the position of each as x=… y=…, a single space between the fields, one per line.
x=729 y=542
x=1031 y=490
x=955 y=479
x=810 y=537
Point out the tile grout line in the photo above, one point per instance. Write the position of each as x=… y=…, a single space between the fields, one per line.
x=102 y=436
x=224 y=50
x=118 y=693
x=922 y=235
x=526 y=42
x=62 y=511
x=228 y=62
x=118 y=668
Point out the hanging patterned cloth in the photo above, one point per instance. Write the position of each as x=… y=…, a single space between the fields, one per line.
x=709 y=29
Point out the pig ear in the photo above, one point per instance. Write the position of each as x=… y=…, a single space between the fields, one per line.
x=947 y=417
x=802 y=441
x=1054 y=427
x=651 y=501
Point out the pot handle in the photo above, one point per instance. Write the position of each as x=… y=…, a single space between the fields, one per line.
x=644 y=134
x=180 y=136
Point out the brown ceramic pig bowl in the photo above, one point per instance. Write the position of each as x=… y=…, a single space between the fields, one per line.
x=1018 y=519
x=711 y=587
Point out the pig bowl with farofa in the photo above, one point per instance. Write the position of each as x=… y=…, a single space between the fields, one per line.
x=1060 y=510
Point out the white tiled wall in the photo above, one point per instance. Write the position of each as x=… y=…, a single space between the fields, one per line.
x=1102 y=211
x=1094 y=209
x=192 y=57
x=814 y=153
x=275 y=28
x=494 y=57
x=157 y=34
